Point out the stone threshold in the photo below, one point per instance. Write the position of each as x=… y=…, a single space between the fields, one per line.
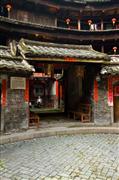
x=55 y=131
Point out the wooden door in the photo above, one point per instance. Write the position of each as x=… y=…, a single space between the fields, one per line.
x=116 y=104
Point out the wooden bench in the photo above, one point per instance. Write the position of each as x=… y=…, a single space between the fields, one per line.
x=34 y=119
x=83 y=113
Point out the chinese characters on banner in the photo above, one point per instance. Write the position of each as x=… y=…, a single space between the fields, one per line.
x=4 y=96
x=110 y=92
x=95 y=91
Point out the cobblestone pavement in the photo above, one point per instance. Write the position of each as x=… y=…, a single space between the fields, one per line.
x=76 y=157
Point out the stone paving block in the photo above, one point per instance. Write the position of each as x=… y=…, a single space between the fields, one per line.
x=72 y=156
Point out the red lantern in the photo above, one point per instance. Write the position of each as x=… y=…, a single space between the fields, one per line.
x=115 y=49
x=89 y=22
x=68 y=21
x=9 y=7
x=114 y=20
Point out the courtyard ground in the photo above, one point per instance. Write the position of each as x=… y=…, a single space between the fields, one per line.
x=68 y=157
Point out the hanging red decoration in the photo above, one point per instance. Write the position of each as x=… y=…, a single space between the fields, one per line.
x=95 y=91
x=114 y=49
x=68 y=21
x=9 y=7
x=114 y=20
x=4 y=89
x=110 y=92
x=89 y=22
x=26 y=95
x=57 y=93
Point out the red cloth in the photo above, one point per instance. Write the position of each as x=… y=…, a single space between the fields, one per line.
x=95 y=91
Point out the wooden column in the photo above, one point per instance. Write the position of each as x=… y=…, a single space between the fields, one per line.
x=102 y=48
x=55 y=22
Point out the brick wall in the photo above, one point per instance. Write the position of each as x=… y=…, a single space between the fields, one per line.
x=15 y=114
x=101 y=110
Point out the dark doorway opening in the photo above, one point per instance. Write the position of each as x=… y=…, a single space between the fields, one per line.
x=63 y=87
x=116 y=103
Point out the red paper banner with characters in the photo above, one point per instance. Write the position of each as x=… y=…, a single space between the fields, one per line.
x=27 y=91
x=57 y=94
x=110 y=92
x=95 y=91
x=4 y=91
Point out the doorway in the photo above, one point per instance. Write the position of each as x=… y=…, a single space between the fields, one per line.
x=47 y=83
x=116 y=103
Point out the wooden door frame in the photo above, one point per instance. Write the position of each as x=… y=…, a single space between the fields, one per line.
x=115 y=84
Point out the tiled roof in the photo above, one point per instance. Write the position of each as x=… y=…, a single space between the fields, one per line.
x=5 y=52
x=113 y=68
x=51 y=50
x=8 y=62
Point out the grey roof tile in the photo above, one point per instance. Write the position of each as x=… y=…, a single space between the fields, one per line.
x=111 y=69
x=8 y=62
x=43 y=49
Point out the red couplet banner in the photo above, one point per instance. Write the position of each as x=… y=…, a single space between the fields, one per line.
x=110 y=92
x=27 y=91
x=57 y=94
x=95 y=91
x=4 y=91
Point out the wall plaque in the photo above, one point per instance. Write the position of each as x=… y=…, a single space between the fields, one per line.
x=17 y=83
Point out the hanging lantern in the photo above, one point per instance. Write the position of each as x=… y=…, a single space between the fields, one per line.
x=89 y=22
x=114 y=21
x=9 y=7
x=115 y=49
x=68 y=21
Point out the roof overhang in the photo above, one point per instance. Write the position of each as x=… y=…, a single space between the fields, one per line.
x=52 y=52
x=112 y=67
x=13 y=64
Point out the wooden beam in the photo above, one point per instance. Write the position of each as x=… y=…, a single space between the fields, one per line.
x=63 y=60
